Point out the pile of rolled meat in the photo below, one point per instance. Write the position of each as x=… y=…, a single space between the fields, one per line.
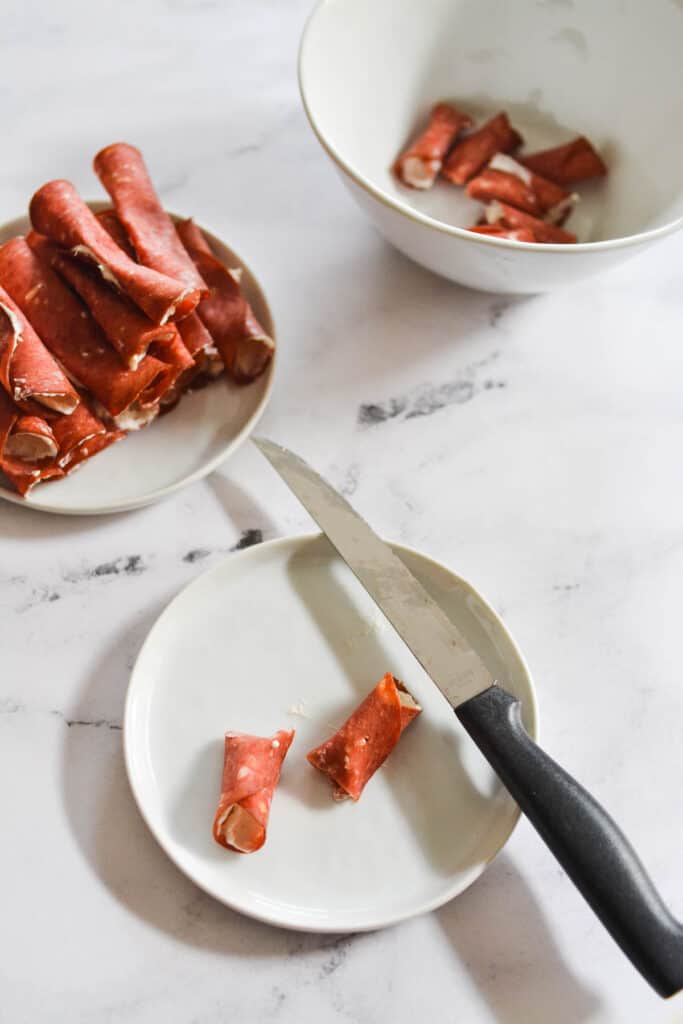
x=107 y=319
x=528 y=198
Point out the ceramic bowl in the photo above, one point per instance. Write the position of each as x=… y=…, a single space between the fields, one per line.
x=370 y=70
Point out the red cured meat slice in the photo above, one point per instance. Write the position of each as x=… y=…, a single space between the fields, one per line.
x=25 y=475
x=352 y=756
x=113 y=226
x=493 y=184
x=182 y=349
x=121 y=169
x=93 y=447
x=9 y=414
x=251 y=770
x=80 y=436
x=128 y=330
x=33 y=449
x=243 y=344
x=574 y=161
x=72 y=335
x=32 y=439
x=173 y=351
x=496 y=231
x=420 y=164
x=510 y=217
x=193 y=335
x=28 y=438
x=469 y=156
x=512 y=183
x=27 y=370
x=57 y=210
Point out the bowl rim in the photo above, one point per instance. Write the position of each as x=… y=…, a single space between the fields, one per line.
x=407 y=211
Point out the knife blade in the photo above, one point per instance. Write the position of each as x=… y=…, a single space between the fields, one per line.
x=436 y=642
x=579 y=832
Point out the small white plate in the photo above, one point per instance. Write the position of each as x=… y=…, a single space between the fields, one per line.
x=175 y=450
x=285 y=628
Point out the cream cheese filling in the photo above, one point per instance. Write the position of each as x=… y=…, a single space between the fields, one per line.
x=239 y=828
x=30 y=447
x=171 y=309
x=507 y=164
x=105 y=272
x=418 y=172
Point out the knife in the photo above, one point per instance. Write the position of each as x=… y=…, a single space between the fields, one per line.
x=585 y=840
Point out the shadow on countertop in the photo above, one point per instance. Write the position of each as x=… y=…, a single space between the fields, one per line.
x=499 y=932
x=117 y=845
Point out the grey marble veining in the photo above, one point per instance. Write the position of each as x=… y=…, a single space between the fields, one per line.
x=534 y=445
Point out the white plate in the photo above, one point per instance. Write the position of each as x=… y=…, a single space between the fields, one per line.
x=176 y=449
x=286 y=625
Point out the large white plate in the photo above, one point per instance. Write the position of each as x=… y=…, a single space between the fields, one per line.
x=286 y=626
x=176 y=449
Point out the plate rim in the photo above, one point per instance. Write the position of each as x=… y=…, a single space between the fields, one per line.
x=207 y=467
x=294 y=542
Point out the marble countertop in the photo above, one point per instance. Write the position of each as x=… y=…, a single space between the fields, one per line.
x=534 y=445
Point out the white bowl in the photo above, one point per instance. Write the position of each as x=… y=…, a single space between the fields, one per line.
x=369 y=70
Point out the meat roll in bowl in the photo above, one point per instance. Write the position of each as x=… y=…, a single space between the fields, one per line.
x=371 y=71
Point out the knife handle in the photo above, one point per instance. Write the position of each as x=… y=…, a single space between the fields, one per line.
x=585 y=840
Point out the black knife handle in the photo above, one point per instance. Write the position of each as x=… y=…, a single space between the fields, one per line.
x=585 y=840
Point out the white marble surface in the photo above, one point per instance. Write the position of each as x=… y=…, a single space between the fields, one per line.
x=533 y=445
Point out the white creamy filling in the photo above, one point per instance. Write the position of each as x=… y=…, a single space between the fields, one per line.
x=135 y=417
x=132 y=418
x=60 y=403
x=239 y=828
x=418 y=172
x=493 y=212
x=107 y=275
x=30 y=447
x=171 y=309
x=406 y=700
x=80 y=449
x=562 y=209
x=503 y=162
x=16 y=338
x=210 y=362
x=134 y=361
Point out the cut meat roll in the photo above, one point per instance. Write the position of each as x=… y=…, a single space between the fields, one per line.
x=57 y=210
x=28 y=373
x=243 y=344
x=476 y=149
x=251 y=770
x=352 y=756
x=419 y=166
x=130 y=397
x=121 y=169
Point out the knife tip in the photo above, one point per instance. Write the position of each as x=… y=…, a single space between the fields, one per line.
x=269 y=448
